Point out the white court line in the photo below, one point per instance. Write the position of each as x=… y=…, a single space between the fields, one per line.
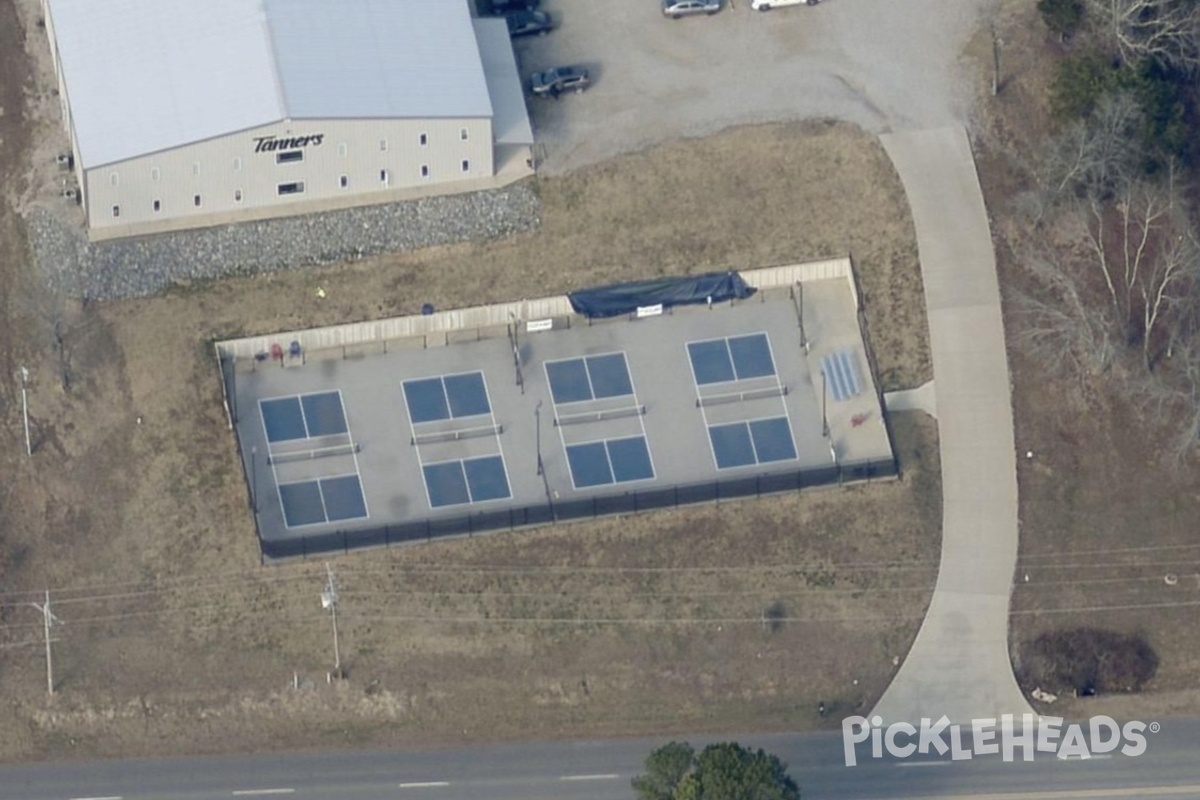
x=304 y=418
x=559 y=428
x=487 y=394
x=353 y=454
x=424 y=784
x=587 y=371
x=109 y=797
x=324 y=510
x=641 y=421
x=924 y=763
x=270 y=463
x=412 y=429
x=605 y=777
x=782 y=401
x=703 y=414
x=253 y=792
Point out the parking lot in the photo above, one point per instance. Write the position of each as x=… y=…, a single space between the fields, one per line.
x=881 y=64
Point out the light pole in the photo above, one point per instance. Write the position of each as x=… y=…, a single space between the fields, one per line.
x=537 y=424
x=824 y=417
x=254 y=478
x=25 y=409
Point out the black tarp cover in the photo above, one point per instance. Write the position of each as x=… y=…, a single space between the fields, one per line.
x=625 y=298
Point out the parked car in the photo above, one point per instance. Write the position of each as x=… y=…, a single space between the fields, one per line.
x=686 y=8
x=553 y=82
x=526 y=23
x=508 y=6
x=767 y=5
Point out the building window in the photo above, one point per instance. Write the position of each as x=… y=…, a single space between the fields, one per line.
x=196 y=200
x=383 y=145
x=344 y=181
x=114 y=179
x=157 y=206
x=424 y=170
x=289 y=156
x=237 y=164
x=343 y=150
x=462 y=134
x=237 y=195
x=384 y=177
x=116 y=211
x=296 y=187
x=196 y=169
x=466 y=165
x=155 y=174
x=424 y=139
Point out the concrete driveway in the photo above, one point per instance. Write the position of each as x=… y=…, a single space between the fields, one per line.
x=892 y=67
x=882 y=64
x=959 y=664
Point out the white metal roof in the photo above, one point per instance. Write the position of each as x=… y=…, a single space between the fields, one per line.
x=510 y=121
x=148 y=75
x=377 y=58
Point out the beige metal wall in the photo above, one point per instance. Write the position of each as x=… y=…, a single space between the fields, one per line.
x=220 y=170
x=63 y=99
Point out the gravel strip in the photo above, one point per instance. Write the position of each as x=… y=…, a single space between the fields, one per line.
x=145 y=265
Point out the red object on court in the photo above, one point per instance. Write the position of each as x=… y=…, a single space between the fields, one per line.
x=277 y=352
x=858 y=419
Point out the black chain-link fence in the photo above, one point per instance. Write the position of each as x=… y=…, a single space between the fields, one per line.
x=566 y=510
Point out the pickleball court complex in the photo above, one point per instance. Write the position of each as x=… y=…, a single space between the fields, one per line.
x=474 y=420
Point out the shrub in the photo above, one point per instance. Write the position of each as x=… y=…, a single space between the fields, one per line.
x=1061 y=16
x=1087 y=661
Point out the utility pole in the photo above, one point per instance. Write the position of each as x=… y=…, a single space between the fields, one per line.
x=997 y=45
x=48 y=619
x=329 y=599
x=25 y=409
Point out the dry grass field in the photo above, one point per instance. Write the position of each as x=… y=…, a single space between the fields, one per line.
x=744 y=615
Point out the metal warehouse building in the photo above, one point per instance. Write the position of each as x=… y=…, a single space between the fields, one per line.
x=184 y=114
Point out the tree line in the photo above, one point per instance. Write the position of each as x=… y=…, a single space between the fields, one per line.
x=1116 y=250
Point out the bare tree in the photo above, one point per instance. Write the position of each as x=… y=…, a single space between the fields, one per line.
x=1164 y=30
x=1174 y=401
x=1140 y=243
x=1058 y=326
x=1167 y=286
x=1096 y=154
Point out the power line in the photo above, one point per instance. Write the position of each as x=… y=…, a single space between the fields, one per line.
x=192 y=586
x=259 y=575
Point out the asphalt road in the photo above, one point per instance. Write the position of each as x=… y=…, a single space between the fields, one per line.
x=601 y=771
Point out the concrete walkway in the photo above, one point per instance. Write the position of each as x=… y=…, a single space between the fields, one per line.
x=923 y=398
x=959 y=664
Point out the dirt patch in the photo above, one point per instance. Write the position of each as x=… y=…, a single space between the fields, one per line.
x=743 y=615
